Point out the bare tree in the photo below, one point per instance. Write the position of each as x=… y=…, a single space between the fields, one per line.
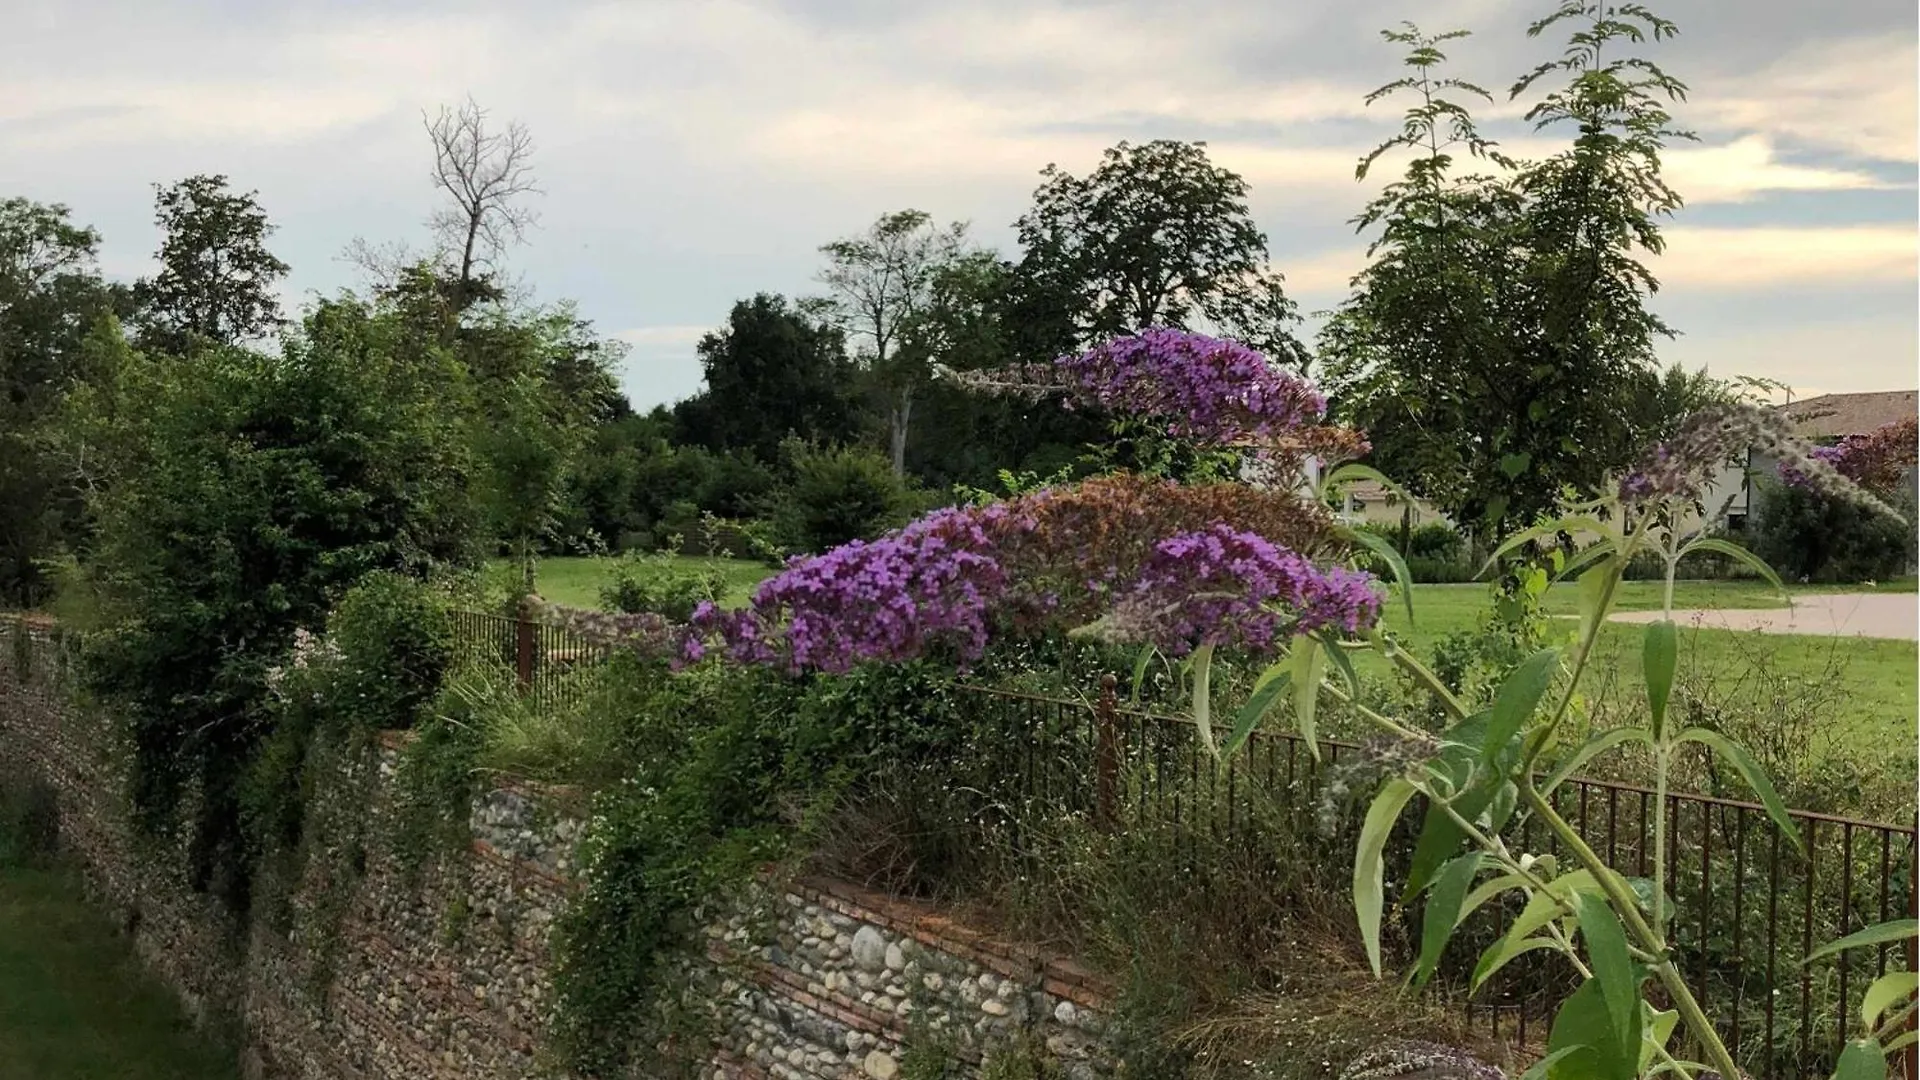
x=484 y=172
x=881 y=284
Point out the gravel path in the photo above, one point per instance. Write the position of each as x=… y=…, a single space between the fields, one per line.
x=1875 y=615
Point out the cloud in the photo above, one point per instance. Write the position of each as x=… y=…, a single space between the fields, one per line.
x=658 y=337
x=1855 y=95
x=1816 y=257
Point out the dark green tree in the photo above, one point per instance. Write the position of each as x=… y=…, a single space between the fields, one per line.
x=1156 y=235
x=216 y=279
x=249 y=491
x=772 y=371
x=51 y=299
x=1498 y=349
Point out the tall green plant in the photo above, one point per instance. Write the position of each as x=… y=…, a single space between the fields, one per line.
x=1494 y=764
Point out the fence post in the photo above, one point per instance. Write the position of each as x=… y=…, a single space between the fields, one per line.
x=1107 y=754
x=523 y=644
x=1910 y=1057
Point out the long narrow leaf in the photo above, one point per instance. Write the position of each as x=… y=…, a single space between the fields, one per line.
x=1619 y=977
x=1659 y=655
x=1752 y=773
x=1501 y=953
x=1330 y=646
x=1369 y=867
x=1253 y=712
x=1519 y=696
x=1878 y=934
x=1749 y=559
x=1203 y=696
x=1395 y=564
x=1571 y=523
x=1894 y=986
x=1863 y=1059
x=1592 y=748
x=1539 y=1069
x=1443 y=913
x=1305 y=669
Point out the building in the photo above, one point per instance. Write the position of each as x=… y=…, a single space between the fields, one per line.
x=1821 y=420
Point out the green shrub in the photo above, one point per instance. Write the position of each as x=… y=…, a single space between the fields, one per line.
x=1807 y=536
x=395 y=638
x=658 y=584
x=837 y=495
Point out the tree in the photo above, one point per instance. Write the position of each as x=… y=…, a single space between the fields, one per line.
x=250 y=490
x=216 y=279
x=882 y=287
x=485 y=174
x=51 y=299
x=770 y=372
x=1498 y=349
x=1157 y=235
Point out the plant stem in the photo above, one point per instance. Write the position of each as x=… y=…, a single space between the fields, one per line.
x=1628 y=909
x=1427 y=679
x=1379 y=720
x=1660 y=763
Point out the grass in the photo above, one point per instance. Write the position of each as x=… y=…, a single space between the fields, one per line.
x=74 y=1001
x=575 y=580
x=1879 y=707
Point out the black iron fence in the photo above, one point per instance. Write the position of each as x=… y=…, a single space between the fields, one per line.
x=1746 y=906
x=541 y=655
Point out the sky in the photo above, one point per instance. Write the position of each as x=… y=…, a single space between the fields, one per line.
x=694 y=152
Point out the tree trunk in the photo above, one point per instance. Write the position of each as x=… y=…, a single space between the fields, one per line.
x=898 y=415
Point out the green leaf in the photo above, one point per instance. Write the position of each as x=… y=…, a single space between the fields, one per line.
x=1878 y=934
x=1736 y=552
x=1659 y=655
x=1253 y=711
x=1203 y=696
x=1443 y=913
x=1515 y=464
x=1487 y=890
x=1518 y=698
x=1306 y=665
x=1369 y=865
x=1395 y=564
x=1863 y=1059
x=1571 y=523
x=1593 y=593
x=1330 y=642
x=1656 y=1029
x=1614 y=969
x=1353 y=471
x=1593 y=747
x=1752 y=773
x=1903 y=1040
x=1886 y=991
x=1539 y=1069
x=1500 y=953
x=1585 y=1020
x=1599 y=549
x=1147 y=653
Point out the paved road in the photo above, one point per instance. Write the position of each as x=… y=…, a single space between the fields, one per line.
x=1875 y=615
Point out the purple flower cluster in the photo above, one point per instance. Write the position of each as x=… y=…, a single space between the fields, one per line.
x=1709 y=441
x=1203 y=387
x=1222 y=586
x=934 y=582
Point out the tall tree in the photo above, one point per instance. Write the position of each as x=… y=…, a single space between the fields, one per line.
x=1157 y=235
x=486 y=174
x=1499 y=346
x=51 y=299
x=216 y=279
x=881 y=287
x=771 y=372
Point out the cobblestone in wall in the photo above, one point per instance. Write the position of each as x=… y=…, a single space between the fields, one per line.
x=445 y=973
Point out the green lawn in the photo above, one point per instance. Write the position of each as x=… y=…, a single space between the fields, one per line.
x=575 y=580
x=1878 y=707
x=74 y=1001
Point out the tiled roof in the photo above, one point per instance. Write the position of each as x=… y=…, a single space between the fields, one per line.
x=1831 y=415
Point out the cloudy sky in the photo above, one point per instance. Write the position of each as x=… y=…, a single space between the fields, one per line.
x=695 y=152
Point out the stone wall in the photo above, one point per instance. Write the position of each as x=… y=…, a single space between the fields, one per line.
x=379 y=972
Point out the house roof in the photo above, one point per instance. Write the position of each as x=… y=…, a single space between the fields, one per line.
x=1833 y=415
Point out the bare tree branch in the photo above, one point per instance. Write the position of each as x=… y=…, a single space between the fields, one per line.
x=484 y=172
